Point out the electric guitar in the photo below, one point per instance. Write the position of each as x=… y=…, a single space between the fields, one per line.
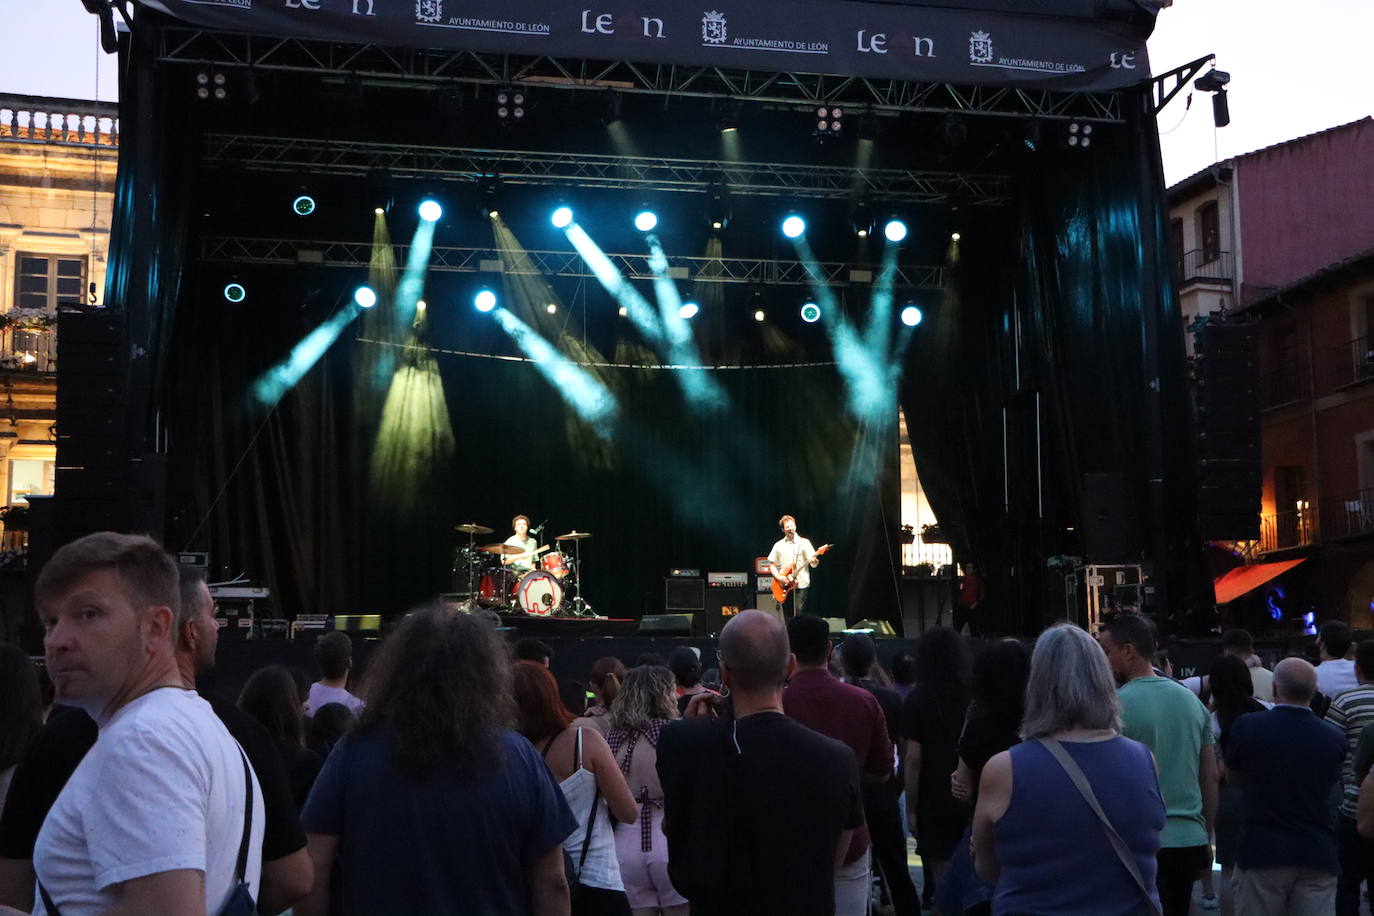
x=781 y=591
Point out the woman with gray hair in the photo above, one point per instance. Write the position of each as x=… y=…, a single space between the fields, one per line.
x=1068 y=821
x=647 y=701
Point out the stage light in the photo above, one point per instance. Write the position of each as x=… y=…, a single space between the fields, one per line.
x=793 y=226
x=378 y=211
x=954 y=236
x=895 y=230
x=623 y=311
x=911 y=316
x=493 y=213
x=551 y=308
x=430 y=211
x=728 y=121
x=811 y=313
x=510 y=103
x=646 y=220
x=304 y=205
x=365 y=297
x=758 y=315
x=484 y=301
x=234 y=292
x=688 y=310
x=562 y=218
x=420 y=306
x=828 y=121
x=862 y=220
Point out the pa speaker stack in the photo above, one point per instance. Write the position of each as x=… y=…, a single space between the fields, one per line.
x=1226 y=411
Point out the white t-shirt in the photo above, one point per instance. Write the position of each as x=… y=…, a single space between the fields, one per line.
x=1336 y=676
x=320 y=695
x=797 y=552
x=1261 y=681
x=161 y=790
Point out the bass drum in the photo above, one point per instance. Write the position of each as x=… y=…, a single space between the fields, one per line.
x=496 y=588
x=539 y=594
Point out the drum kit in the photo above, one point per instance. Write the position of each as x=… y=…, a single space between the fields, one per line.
x=549 y=587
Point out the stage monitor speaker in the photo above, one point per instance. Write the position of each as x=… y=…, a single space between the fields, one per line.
x=684 y=594
x=358 y=623
x=666 y=624
x=881 y=629
x=837 y=625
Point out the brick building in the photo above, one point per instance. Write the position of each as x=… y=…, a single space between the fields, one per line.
x=1285 y=236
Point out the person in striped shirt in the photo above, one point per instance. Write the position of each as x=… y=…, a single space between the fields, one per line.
x=1351 y=711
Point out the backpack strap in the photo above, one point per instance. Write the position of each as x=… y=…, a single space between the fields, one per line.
x=241 y=868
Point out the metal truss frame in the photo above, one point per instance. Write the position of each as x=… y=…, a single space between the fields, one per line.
x=432 y=68
x=450 y=259
x=1167 y=85
x=605 y=172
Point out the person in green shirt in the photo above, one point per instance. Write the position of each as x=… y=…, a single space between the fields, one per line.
x=1168 y=719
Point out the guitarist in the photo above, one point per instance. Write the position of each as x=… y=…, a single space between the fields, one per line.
x=791 y=561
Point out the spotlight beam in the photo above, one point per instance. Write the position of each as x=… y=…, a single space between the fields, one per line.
x=281 y=378
x=699 y=388
x=637 y=307
x=591 y=399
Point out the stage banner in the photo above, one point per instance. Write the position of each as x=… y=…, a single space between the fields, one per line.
x=1045 y=44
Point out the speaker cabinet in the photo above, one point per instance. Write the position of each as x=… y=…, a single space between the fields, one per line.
x=684 y=594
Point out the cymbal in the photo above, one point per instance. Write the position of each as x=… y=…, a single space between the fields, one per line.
x=472 y=528
x=506 y=549
x=573 y=535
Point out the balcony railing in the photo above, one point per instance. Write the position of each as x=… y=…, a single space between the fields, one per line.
x=1354 y=361
x=28 y=349
x=1348 y=515
x=1195 y=265
x=69 y=122
x=1282 y=530
x=1286 y=384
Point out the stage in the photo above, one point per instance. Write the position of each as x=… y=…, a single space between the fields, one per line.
x=651 y=290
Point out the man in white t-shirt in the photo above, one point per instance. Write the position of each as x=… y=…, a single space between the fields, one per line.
x=152 y=819
x=334 y=655
x=1239 y=643
x=793 y=552
x=1336 y=673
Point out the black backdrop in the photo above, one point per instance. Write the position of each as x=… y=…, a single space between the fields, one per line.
x=1056 y=302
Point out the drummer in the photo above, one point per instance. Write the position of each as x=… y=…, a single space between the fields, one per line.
x=521 y=562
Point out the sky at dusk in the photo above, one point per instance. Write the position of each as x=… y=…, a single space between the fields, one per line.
x=1296 y=68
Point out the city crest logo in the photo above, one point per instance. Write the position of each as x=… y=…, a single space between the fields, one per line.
x=429 y=10
x=713 y=28
x=980 y=48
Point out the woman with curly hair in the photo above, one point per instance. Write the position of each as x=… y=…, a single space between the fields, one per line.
x=647 y=702
x=432 y=804
x=591 y=783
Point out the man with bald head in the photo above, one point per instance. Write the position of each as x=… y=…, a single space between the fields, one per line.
x=758 y=809
x=1287 y=762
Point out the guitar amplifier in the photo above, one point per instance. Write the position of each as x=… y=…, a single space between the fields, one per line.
x=684 y=594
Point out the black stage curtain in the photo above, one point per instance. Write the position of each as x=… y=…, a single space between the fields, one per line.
x=1062 y=343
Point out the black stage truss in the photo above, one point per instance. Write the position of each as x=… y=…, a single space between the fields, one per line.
x=434 y=68
x=453 y=259
x=604 y=171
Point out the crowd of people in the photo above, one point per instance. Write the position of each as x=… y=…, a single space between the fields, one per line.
x=457 y=775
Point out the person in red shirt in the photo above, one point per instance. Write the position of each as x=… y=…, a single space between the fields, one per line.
x=972 y=590
x=850 y=715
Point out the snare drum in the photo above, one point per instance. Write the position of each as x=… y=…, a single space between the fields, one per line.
x=558 y=563
x=497 y=588
x=539 y=594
